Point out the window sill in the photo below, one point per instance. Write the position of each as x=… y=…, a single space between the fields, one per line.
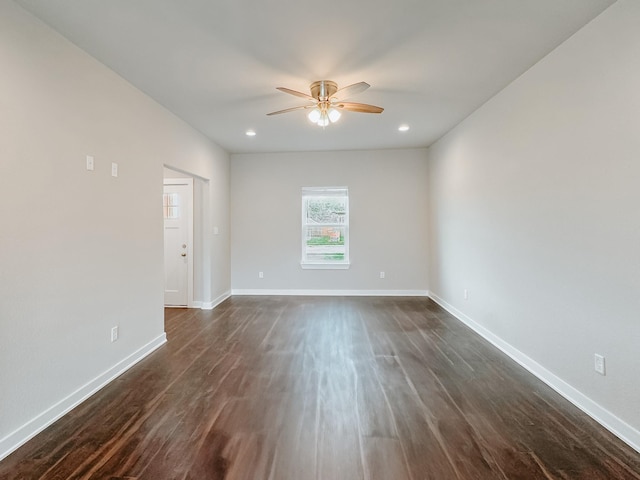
x=325 y=266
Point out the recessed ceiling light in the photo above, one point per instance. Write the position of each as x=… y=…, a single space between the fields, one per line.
x=403 y=128
x=251 y=133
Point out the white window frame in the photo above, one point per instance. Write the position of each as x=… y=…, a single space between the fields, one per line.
x=311 y=192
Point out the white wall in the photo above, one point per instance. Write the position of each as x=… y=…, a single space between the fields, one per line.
x=388 y=220
x=82 y=251
x=534 y=208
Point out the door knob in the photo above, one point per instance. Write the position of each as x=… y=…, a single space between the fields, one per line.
x=183 y=254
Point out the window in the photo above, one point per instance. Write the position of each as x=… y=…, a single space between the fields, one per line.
x=325 y=227
x=171 y=206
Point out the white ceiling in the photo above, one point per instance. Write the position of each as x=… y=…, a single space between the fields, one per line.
x=216 y=63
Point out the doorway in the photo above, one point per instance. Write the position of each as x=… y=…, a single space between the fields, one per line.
x=178 y=242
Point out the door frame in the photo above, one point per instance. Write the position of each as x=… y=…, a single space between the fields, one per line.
x=189 y=183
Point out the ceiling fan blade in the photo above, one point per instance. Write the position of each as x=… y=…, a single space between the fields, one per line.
x=351 y=90
x=296 y=93
x=286 y=110
x=359 y=107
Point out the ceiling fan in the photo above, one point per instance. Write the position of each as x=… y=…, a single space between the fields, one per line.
x=326 y=101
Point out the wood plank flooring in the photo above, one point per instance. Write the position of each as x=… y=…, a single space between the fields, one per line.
x=323 y=388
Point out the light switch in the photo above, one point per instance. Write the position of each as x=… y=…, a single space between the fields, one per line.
x=114 y=169
x=90 y=162
x=599 y=364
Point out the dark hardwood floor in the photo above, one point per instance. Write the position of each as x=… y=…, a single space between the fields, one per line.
x=296 y=388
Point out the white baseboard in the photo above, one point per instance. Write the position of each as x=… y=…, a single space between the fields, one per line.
x=214 y=303
x=608 y=420
x=334 y=293
x=207 y=305
x=34 y=426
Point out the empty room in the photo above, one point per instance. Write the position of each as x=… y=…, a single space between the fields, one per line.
x=292 y=240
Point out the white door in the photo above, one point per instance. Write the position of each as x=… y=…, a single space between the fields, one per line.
x=178 y=221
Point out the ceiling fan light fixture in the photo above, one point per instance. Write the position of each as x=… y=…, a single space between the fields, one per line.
x=314 y=115
x=323 y=121
x=334 y=114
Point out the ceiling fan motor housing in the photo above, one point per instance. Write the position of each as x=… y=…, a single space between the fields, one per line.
x=323 y=90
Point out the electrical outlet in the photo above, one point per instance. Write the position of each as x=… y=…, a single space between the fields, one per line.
x=114 y=334
x=466 y=294
x=114 y=169
x=90 y=162
x=260 y=274
x=599 y=364
x=381 y=274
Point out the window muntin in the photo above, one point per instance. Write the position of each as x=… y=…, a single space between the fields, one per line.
x=325 y=227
